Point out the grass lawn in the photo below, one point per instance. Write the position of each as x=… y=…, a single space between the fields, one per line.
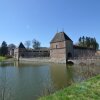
x=89 y=90
x=2 y=58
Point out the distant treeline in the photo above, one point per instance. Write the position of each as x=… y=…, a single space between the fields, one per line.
x=88 y=42
x=4 y=48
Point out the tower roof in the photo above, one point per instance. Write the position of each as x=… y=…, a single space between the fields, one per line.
x=61 y=36
x=21 y=45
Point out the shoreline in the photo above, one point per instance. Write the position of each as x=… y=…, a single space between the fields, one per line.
x=88 y=89
x=42 y=60
x=82 y=62
x=49 y=60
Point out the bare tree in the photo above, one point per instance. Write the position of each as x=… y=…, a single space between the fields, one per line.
x=11 y=46
x=27 y=44
x=36 y=44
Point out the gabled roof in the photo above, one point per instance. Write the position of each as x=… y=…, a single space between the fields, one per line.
x=61 y=36
x=21 y=46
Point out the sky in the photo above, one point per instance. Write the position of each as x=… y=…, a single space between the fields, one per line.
x=22 y=20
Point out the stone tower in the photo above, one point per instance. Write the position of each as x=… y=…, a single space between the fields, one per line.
x=61 y=47
x=19 y=52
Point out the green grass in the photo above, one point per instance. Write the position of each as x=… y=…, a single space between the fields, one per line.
x=89 y=90
x=2 y=58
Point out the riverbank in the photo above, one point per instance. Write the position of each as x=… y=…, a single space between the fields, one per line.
x=2 y=58
x=86 y=61
x=83 y=62
x=42 y=60
x=49 y=60
x=6 y=59
x=89 y=90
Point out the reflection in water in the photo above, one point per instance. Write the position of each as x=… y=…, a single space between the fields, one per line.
x=5 y=86
x=61 y=74
x=70 y=75
x=26 y=81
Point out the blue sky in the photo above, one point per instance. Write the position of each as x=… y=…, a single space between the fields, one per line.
x=22 y=20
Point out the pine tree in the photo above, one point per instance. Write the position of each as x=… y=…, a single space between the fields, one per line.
x=4 y=48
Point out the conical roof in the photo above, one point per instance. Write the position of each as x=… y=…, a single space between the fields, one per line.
x=21 y=46
x=61 y=36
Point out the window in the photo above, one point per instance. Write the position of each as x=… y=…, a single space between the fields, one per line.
x=56 y=46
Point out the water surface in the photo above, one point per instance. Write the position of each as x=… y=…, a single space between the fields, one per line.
x=26 y=81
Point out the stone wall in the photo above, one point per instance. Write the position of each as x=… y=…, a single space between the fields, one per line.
x=24 y=53
x=58 y=53
x=69 y=48
x=58 y=50
x=58 y=45
x=37 y=53
x=83 y=52
x=16 y=53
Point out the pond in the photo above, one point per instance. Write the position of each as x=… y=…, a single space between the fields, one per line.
x=26 y=81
